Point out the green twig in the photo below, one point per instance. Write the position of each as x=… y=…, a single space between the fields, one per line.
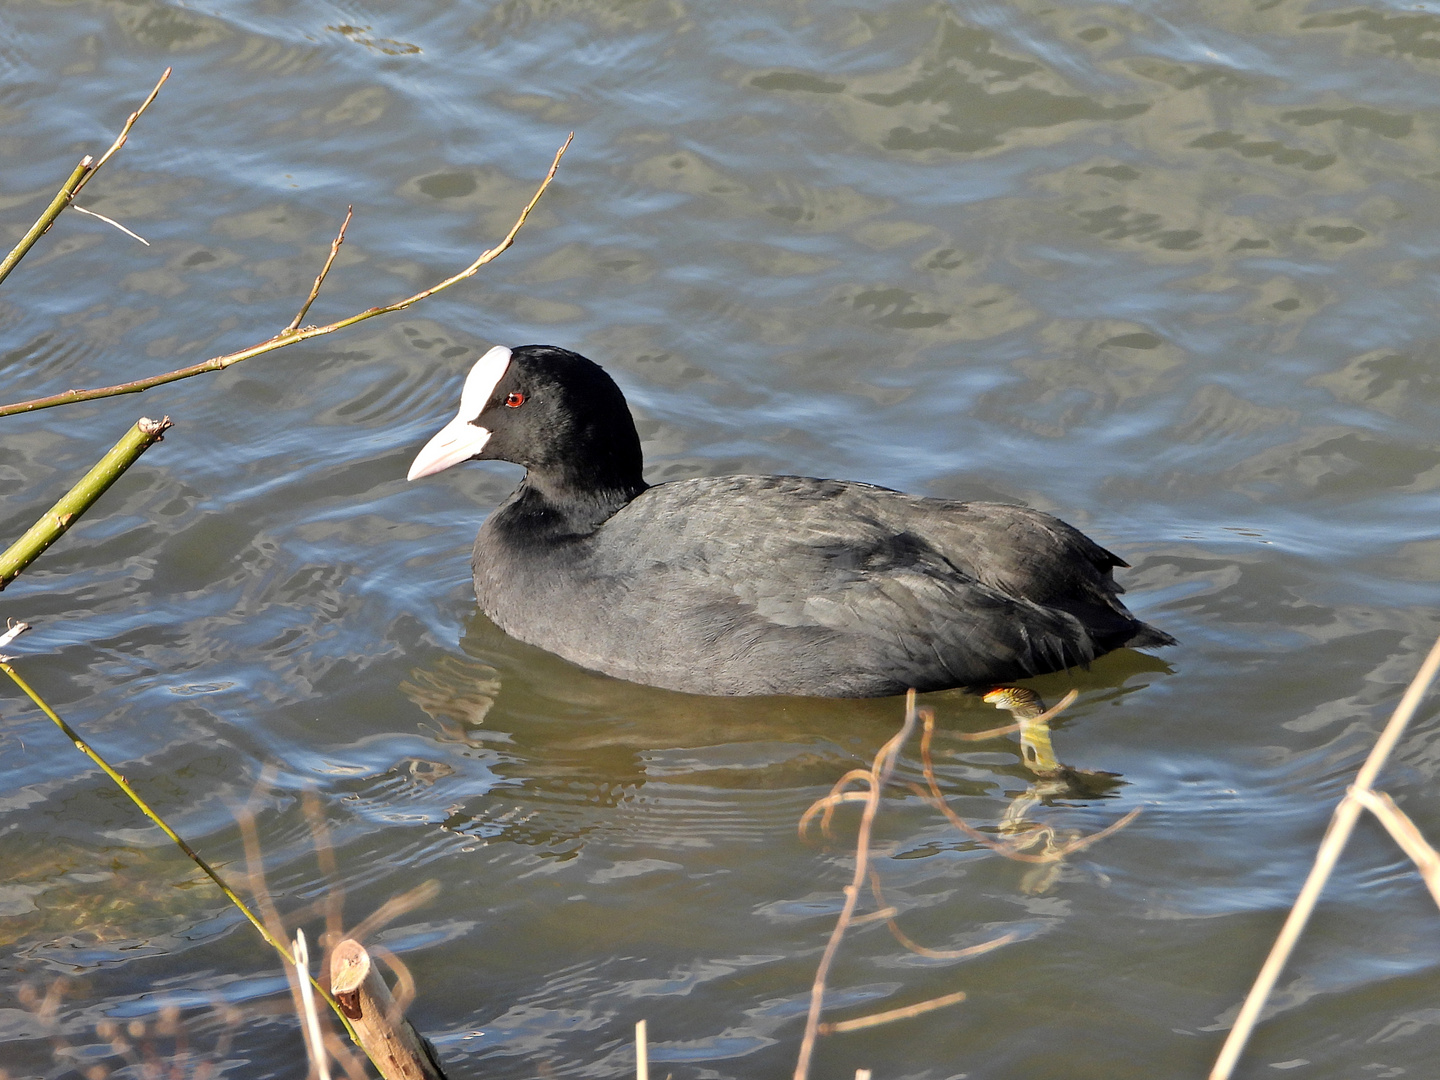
x=289 y=336
x=210 y=872
x=87 y=168
x=145 y=434
x=45 y=220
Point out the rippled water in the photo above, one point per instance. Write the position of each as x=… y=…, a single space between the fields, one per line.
x=1167 y=274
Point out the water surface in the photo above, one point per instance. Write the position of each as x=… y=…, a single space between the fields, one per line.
x=1168 y=274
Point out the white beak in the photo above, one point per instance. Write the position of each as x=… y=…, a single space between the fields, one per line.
x=461 y=439
x=457 y=441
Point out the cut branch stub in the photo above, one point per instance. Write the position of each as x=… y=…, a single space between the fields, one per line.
x=392 y=1043
x=54 y=523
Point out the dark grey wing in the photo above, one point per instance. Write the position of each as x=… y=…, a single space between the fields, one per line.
x=1035 y=557
x=838 y=593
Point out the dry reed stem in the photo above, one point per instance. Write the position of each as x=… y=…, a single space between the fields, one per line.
x=838 y=794
x=324 y=270
x=879 y=776
x=1342 y=824
x=333 y=902
x=874 y=781
x=259 y=889
x=270 y=914
x=875 y=916
x=1410 y=839
x=288 y=336
x=890 y=1015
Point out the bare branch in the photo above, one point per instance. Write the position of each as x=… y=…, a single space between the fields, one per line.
x=290 y=337
x=320 y=278
x=124 y=132
x=879 y=776
x=81 y=175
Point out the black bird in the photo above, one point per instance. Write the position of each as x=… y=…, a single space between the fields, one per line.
x=757 y=584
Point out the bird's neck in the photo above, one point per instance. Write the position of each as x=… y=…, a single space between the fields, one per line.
x=554 y=507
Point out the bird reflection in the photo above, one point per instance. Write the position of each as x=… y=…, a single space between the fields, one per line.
x=575 y=742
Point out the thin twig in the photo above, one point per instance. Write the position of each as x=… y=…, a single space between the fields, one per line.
x=405 y=990
x=109 y=221
x=290 y=337
x=332 y=904
x=14 y=630
x=1342 y=823
x=880 y=771
x=875 y=1019
x=838 y=794
x=950 y=954
x=320 y=278
x=396 y=906
x=124 y=131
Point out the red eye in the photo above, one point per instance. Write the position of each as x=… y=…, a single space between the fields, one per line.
x=514 y=399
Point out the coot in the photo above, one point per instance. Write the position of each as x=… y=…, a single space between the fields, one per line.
x=757 y=584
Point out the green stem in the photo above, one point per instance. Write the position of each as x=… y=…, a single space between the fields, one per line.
x=124 y=785
x=79 y=498
x=61 y=200
x=83 y=174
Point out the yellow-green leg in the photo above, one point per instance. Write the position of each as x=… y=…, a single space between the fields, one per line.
x=1027 y=708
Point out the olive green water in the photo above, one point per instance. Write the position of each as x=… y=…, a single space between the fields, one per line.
x=1167 y=270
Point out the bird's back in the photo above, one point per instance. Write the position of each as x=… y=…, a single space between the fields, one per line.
x=793 y=585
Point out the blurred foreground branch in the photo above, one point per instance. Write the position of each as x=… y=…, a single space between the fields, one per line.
x=1360 y=796
x=145 y=434
x=87 y=168
x=392 y=1044
x=874 y=780
x=293 y=333
x=134 y=796
x=866 y=786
